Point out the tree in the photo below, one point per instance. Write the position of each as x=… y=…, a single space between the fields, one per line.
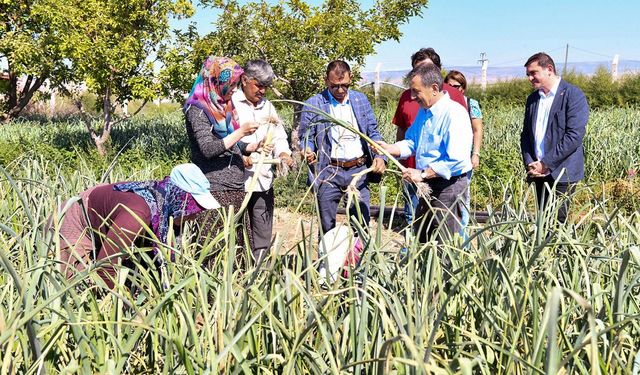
x=31 y=47
x=112 y=48
x=299 y=40
x=109 y=46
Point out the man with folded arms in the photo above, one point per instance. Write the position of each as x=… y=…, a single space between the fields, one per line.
x=440 y=139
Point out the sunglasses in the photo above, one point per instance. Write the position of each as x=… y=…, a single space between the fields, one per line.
x=344 y=86
x=456 y=86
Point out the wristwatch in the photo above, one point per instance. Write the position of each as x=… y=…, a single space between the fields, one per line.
x=423 y=174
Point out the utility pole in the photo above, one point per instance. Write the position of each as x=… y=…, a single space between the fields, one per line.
x=614 y=68
x=376 y=83
x=485 y=63
x=566 y=57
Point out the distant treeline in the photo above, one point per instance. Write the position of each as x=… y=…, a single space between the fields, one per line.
x=599 y=88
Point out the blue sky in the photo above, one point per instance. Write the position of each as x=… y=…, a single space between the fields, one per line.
x=508 y=31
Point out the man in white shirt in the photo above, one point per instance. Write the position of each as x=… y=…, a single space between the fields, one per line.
x=555 y=122
x=251 y=106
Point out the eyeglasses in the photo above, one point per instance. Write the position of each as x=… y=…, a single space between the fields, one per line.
x=344 y=86
x=257 y=84
x=456 y=86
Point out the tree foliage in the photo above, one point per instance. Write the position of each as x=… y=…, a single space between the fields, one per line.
x=299 y=39
x=108 y=46
x=31 y=46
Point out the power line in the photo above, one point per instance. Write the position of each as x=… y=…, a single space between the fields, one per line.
x=523 y=59
x=591 y=52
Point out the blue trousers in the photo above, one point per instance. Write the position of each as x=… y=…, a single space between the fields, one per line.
x=333 y=187
x=410 y=195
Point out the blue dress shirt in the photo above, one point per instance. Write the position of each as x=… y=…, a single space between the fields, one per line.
x=440 y=137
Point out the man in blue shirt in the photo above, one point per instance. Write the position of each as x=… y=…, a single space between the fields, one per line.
x=334 y=153
x=440 y=137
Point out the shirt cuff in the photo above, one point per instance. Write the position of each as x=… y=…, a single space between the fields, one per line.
x=405 y=150
x=441 y=170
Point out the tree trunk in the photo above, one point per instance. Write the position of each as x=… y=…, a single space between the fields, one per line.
x=19 y=100
x=102 y=140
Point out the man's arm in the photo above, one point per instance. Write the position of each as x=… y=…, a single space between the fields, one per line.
x=528 y=154
x=371 y=129
x=576 y=117
x=307 y=129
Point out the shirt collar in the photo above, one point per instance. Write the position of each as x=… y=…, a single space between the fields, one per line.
x=553 y=90
x=241 y=97
x=335 y=102
x=440 y=105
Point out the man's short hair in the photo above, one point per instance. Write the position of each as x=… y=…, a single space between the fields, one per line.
x=542 y=59
x=429 y=74
x=259 y=70
x=339 y=67
x=423 y=54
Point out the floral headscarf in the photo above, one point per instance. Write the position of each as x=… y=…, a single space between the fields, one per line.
x=165 y=199
x=218 y=77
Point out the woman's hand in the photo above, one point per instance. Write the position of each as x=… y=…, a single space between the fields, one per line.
x=260 y=147
x=249 y=127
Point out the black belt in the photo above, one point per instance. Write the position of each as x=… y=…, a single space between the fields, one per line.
x=357 y=162
x=458 y=176
x=443 y=180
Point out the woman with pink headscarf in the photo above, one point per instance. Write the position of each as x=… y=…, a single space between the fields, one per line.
x=214 y=134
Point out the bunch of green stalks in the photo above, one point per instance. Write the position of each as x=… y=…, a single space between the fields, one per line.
x=521 y=295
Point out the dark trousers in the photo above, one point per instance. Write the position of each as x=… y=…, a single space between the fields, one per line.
x=260 y=211
x=563 y=191
x=331 y=190
x=440 y=215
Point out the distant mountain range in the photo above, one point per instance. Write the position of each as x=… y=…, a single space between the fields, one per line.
x=501 y=73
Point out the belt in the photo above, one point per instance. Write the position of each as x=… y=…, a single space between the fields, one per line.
x=444 y=180
x=459 y=176
x=357 y=162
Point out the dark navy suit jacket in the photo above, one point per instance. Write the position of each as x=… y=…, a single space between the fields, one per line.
x=563 y=150
x=314 y=131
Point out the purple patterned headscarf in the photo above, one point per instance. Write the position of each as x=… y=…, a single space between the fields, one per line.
x=165 y=200
x=218 y=77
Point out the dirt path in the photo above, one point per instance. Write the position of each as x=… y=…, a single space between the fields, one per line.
x=291 y=228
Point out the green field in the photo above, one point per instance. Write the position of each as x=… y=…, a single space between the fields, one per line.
x=524 y=297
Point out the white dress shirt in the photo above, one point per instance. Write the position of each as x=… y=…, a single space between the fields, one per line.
x=542 y=118
x=345 y=144
x=261 y=113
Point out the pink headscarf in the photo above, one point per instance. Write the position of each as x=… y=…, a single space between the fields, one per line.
x=218 y=77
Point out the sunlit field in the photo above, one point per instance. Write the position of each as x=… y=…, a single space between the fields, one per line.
x=522 y=295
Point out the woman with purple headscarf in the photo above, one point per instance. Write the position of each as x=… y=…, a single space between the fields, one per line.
x=214 y=135
x=103 y=220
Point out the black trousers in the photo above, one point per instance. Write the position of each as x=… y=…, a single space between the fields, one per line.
x=563 y=191
x=440 y=215
x=260 y=211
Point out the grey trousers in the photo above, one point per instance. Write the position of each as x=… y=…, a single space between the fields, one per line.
x=439 y=216
x=260 y=211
